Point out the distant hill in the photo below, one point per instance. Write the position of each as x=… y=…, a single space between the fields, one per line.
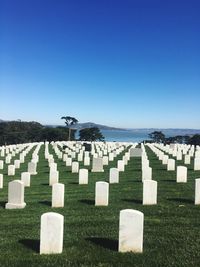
x=80 y=126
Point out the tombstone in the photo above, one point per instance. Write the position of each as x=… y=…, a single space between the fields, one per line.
x=1 y=164
x=149 y=192
x=1 y=180
x=53 y=177
x=147 y=173
x=83 y=176
x=179 y=155
x=165 y=159
x=131 y=224
x=26 y=178
x=69 y=162
x=17 y=163
x=97 y=165
x=197 y=191
x=80 y=157
x=105 y=160
x=135 y=152
x=196 y=164
x=53 y=166
x=110 y=156
x=171 y=165
x=15 y=195
x=75 y=167
x=32 y=168
x=51 y=233
x=101 y=193
x=125 y=160
x=21 y=158
x=8 y=159
x=114 y=176
x=120 y=165
x=86 y=161
x=58 y=192
x=187 y=159
x=73 y=155
x=11 y=170
x=65 y=156
x=181 y=175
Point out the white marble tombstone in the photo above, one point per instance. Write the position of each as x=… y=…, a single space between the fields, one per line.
x=83 y=176
x=149 y=192
x=17 y=163
x=22 y=158
x=181 y=174
x=87 y=161
x=80 y=157
x=32 y=168
x=111 y=156
x=1 y=180
x=131 y=224
x=75 y=167
x=58 y=193
x=179 y=155
x=165 y=159
x=120 y=165
x=26 y=178
x=171 y=165
x=187 y=159
x=114 y=176
x=69 y=162
x=97 y=165
x=15 y=195
x=8 y=159
x=73 y=155
x=101 y=194
x=196 y=164
x=53 y=166
x=1 y=164
x=53 y=177
x=135 y=152
x=105 y=160
x=51 y=233
x=11 y=170
x=147 y=173
x=197 y=191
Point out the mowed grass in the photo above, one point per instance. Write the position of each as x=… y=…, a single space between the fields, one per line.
x=171 y=228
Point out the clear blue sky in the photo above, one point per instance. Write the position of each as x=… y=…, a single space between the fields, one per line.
x=130 y=63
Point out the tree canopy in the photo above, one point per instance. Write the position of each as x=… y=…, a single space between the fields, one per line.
x=16 y=132
x=157 y=136
x=69 y=121
x=91 y=134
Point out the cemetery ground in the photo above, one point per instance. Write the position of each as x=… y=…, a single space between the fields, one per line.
x=171 y=228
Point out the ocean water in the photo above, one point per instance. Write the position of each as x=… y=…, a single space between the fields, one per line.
x=124 y=136
x=138 y=135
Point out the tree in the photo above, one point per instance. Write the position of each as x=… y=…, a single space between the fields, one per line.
x=157 y=136
x=194 y=140
x=91 y=134
x=69 y=121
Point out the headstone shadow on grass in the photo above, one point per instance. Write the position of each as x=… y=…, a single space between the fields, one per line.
x=2 y=204
x=136 y=201
x=181 y=200
x=107 y=243
x=87 y=201
x=45 y=202
x=33 y=244
x=44 y=184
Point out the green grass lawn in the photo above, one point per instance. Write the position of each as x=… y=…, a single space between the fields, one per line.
x=171 y=228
